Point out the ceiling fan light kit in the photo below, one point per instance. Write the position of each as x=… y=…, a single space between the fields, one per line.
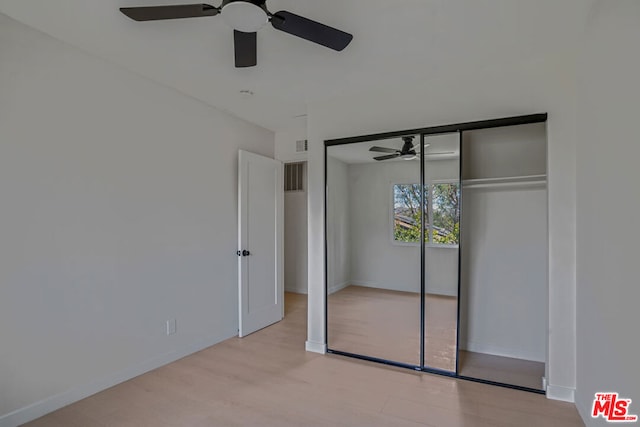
x=246 y=17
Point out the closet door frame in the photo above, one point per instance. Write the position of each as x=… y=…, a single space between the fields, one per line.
x=459 y=128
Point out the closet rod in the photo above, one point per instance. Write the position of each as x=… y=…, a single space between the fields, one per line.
x=540 y=183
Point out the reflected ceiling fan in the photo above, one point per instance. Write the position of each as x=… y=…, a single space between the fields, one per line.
x=407 y=152
x=246 y=17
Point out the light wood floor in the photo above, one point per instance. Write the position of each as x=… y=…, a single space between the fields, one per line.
x=267 y=379
x=386 y=324
x=375 y=322
x=524 y=373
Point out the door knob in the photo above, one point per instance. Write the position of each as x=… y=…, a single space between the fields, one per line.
x=245 y=252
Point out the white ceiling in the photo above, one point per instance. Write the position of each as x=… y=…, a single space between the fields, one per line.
x=411 y=40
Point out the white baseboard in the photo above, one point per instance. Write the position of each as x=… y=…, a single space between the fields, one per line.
x=296 y=290
x=430 y=290
x=384 y=286
x=316 y=347
x=556 y=392
x=585 y=413
x=338 y=287
x=57 y=401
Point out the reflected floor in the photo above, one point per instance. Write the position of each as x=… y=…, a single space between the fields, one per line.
x=386 y=324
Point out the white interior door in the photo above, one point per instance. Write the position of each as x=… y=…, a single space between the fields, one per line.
x=260 y=242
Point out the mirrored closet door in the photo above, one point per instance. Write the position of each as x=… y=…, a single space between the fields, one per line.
x=373 y=218
x=441 y=161
x=436 y=249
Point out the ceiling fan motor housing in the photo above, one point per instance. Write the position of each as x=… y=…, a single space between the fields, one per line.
x=407 y=148
x=247 y=16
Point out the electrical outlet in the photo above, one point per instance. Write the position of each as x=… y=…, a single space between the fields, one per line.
x=171 y=326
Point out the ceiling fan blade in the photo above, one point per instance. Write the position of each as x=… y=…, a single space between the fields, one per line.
x=310 y=30
x=155 y=13
x=390 y=156
x=245 y=47
x=383 y=149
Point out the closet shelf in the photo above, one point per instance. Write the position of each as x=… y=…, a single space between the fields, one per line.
x=516 y=181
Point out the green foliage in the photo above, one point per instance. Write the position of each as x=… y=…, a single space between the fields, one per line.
x=410 y=234
x=445 y=213
x=449 y=238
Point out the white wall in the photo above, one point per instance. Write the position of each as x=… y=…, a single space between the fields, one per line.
x=504 y=275
x=295 y=241
x=339 y=233
x=509 y=151
x=544 y=84
x=504 y=243
x=375 y=260
x=285 y=141
x=608 y=207
x=295 y=210
x=119 y=212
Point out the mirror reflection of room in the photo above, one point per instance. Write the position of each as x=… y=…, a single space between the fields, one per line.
x=484 y=237
x=442 y=238
x=373 y=251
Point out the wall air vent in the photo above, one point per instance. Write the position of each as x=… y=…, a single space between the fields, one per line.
x=294 y=176
x=301 y=146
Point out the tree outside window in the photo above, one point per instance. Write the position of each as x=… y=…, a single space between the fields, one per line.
x=442 y=213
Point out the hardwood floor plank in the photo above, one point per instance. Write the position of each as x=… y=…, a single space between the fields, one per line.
x=267 y=379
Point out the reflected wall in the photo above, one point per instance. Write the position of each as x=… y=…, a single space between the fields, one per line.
x=373 y=265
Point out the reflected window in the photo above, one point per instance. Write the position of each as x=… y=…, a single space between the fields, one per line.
x=442 y=212
x=445 y=208
x=406 y=213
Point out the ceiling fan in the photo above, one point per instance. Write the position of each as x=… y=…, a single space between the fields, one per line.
x=246 y=17
x=407 y=152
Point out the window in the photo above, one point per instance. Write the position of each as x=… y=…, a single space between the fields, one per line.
x=442 y=213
